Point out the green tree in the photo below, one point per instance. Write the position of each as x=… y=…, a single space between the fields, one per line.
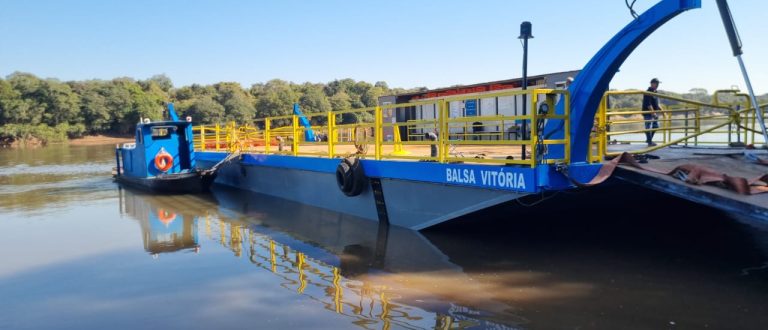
x=238 y=105
x=371 y=96
x=13 y=109
x=162 y=81
x=313 y=100
x=62 y=105
x=93 y=106
x=203 y=110
x=276 y=99
x=30 y=89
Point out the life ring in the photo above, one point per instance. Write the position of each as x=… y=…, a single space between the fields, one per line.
x=165 y=217
x=163 y=161
x=350 y=177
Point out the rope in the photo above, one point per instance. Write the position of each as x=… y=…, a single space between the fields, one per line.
x=227 y=159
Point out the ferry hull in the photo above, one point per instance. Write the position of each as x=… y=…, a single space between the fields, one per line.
x=408 y=203
x=183 y=183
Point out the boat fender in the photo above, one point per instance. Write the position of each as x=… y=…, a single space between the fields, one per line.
x=350 y=176
x=163 y=161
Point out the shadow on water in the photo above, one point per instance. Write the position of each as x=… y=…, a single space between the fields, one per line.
x=615 y=256
x=650 y=260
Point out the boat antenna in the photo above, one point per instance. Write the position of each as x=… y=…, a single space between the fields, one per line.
x=631 y=10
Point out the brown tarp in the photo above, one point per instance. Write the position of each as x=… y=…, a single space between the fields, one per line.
x=690 y=173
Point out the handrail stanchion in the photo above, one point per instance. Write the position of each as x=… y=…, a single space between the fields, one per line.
x=667 y=127
x=218 y=139
x=698 y=127
x=603 y=129
x=534 y=134
x=687 y=123
x=202 y=137
x=295 y=144
x=377 y=132
x=267 y=135
x=567 y=120
x=331 y=129
x=443 y=133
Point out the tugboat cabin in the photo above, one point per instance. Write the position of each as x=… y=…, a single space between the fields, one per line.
x=163 y=147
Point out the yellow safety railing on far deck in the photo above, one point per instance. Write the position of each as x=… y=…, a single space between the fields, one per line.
x=427 y=130
x=681 y=122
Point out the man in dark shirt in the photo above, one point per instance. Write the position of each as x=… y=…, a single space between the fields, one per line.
x=650 y=117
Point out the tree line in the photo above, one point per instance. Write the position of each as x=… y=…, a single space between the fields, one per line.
x=49 y=109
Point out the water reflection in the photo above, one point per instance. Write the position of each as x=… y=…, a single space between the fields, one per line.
x=77 y=252
x=164 y=228
x=382 y=277
x=379 y=277
x=39 y=180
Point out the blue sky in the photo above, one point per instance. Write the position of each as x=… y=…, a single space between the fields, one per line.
x=405 y=43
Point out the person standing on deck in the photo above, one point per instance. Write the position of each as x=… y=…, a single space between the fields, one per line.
x=651 y=115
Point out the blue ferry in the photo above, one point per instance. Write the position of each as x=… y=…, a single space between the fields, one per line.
x=391 y=166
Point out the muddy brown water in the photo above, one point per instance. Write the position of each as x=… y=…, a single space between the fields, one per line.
x=78 y=252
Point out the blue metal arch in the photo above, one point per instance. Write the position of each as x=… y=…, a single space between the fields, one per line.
x=592 y=82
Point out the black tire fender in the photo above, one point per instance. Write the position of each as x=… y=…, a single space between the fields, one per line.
x=350 y=177
x=344 y=176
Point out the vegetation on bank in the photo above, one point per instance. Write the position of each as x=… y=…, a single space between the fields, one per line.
x=49 y=110
x=37 y=111
x=40 y=134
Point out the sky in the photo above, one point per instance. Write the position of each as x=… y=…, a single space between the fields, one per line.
x=407 y=43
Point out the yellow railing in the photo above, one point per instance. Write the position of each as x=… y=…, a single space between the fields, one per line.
x=374 y=132
x=687 y=122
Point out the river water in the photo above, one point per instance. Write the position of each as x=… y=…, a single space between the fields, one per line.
x=78 y=252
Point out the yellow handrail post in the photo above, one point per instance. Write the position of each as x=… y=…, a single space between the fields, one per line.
x=667 y=127
x=202 y=137
x=398 y=147
x=603 y=129
x=331 y=129
x=533 y=116
x=698 y=127
x=244 y=133
x=378 y=132
x=443 y=133
x=267 y=135
x=295 y=144
x=754 y=125
x=218 y=139
x=233 y=137
x=567 y=113
x=745 y=123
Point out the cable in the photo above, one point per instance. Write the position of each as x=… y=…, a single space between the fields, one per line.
x=631 y=10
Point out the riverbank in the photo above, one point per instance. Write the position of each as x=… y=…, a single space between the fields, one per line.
x=99 y=139
x=88 y=140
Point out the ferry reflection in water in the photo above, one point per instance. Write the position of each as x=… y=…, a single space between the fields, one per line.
x=163 y=228
x=346 y=265
x=486 y=274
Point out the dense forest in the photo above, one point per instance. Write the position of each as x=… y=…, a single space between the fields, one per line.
x=52 y=110
x=45 y=110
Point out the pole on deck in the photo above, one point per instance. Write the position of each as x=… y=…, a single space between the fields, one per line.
x=525 y=34
x=735 y=40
